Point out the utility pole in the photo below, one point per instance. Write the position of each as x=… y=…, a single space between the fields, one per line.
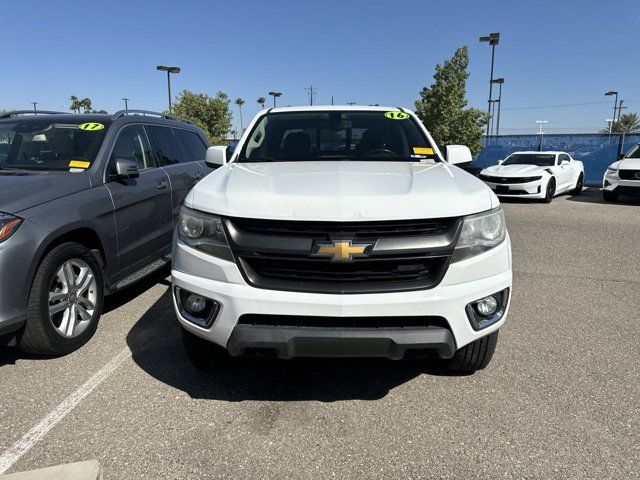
x=493 y=39
x=126 y=103
x=620 y=107
x=311 y=89
x=331 y=99
x=34 y=106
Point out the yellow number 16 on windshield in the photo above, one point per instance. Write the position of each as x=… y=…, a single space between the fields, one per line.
x=396 y=115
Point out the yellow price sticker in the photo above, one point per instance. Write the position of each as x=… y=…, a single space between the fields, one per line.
x=79 y=164
x=422 y=151
x=91 y=126
x=396 y=115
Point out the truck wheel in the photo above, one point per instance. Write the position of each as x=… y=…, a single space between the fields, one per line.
x=65 y=302
x=609 y=196
x=474 y=356
x=201 y=353
x=577 y=190
x=551 y=190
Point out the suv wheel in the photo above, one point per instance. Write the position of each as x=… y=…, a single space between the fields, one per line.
x=203 y=354
x=609 y=196
x=65 y=302
x=551 y=190
x=474 y=356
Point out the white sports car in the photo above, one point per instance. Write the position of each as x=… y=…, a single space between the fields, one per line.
x=623 y=176
x=539 y=175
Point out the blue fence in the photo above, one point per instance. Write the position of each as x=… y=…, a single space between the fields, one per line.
x=596 y=151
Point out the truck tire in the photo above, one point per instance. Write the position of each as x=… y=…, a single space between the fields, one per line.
x=474 y=356
x=65 y=302
x=201 y=353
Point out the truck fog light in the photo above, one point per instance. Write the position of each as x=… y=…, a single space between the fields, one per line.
x=195 y=303
x=487 y=306
x=199 y=310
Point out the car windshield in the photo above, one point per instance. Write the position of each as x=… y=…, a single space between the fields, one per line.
x=336 y=135
x=35 y=144
x=539 y=159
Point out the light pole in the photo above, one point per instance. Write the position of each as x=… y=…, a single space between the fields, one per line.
x=540 y=123
x=169 y=71
x=275 y=95
x=34 y=106
x=615 y=104
x=500 y=82
x=493 y=39
x=126 y=102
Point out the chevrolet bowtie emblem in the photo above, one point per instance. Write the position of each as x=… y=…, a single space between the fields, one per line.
x=341 y=250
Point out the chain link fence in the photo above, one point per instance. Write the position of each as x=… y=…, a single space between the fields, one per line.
x=597 y=151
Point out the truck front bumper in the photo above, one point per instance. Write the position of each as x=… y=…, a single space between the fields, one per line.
x=464 y=283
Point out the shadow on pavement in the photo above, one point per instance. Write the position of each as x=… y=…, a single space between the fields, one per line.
x=156 y=346
x=594 y=195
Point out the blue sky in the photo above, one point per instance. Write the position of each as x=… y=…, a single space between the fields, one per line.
x=551 y=53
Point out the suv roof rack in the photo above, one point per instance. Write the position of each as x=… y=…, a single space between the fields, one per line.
x=122 y=113
x=15 y=113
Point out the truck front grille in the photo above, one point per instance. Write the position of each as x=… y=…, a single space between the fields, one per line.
x=402 y=255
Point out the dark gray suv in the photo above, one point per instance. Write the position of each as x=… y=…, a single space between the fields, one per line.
x=87 y=206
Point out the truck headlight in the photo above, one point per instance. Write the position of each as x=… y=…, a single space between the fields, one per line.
x=204 y=232
x=8 y=225
x=480 y=232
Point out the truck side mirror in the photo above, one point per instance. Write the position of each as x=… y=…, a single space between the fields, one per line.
x=458 y=154
x=216 y=156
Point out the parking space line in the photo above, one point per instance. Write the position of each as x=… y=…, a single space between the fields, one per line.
x=33 y=436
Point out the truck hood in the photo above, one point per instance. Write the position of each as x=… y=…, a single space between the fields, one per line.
x=341 y=191
x=21 y=189
x=514 y=170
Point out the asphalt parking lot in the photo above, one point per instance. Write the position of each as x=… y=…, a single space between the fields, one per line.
x=560 y=399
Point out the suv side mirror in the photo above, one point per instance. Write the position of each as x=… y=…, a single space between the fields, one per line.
x=126 y=168
x=458 y=154
x=216 y=156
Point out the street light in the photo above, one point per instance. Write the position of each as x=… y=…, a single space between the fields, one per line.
x=492 y=39
x=169 y=71
x=275 y=95
x=34 y=106
x=126 y=102
x=615 y=104
x=540 y=123
x=499 y=81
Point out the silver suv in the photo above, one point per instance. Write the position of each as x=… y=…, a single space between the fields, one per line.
x=88 y=205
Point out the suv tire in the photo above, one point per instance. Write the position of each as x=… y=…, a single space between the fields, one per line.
x=474 y=356
x=43 y=332
x=201 y=353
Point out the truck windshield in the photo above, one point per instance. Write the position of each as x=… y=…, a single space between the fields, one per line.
x=541 y=160
x=44 y=145
x=336 y=135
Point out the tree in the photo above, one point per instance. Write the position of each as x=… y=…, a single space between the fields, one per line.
x=85 y=103
x=627 y=123
x=442 y=106
x=75 y=104
x=212 y=114
x=262 y=101
x=240 y=102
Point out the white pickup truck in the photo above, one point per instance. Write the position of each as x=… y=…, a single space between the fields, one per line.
x=341 y=231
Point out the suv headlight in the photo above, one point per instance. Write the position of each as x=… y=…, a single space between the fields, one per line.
x=480 y=232
x=611 y=171
x=204 y=232
x=8 y=225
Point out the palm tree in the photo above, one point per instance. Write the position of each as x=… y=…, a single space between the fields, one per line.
x=262 y=101
x=240 y=102
x=85 y=103
x=75 y=104
x=626 y=123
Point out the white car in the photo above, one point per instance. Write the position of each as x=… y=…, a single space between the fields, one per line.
x=341 y=231
x=623 y=177
x=538 y=175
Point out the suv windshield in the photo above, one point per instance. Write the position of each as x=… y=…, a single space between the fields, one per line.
x=336 y=135
x=45 y=145
x=634 y=152
x=541 y=160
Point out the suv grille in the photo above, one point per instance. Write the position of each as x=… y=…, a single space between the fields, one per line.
x=400 y=255
x=367 y=323
x=629 y=174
